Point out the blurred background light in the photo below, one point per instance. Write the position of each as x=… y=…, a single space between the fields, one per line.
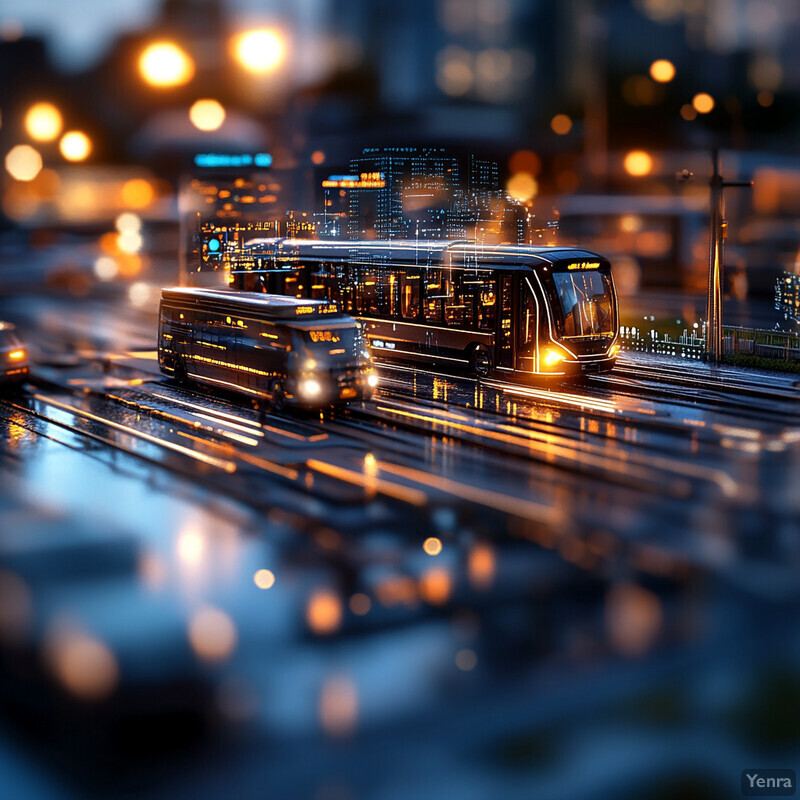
x=638 y=163
x=324 y=612
x=128 y=221
x=129 y=242
x=83 y=664
x=454 y=72
x=338 y=706
x=703 y=103
x=765 y=73
x=360 y=604
x=561 y=124
x=23 y=162
x=212 y=634
x=688 y=112
x=105 y=268
x=137 y=193
x=639 y=90
x=75 y=146
x=43 y=122
x=164 y=65
x=522 y=186
x=765 y=99
x=207 y=115
x=264 y=578
x=260 y=51
x=466 y=660
x=662 y=70
x=525 y=161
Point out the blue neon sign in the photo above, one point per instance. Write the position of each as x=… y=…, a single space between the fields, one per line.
x=218 y=160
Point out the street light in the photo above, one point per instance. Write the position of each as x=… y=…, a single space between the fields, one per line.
x=165 y=65
x=260 y=51
x=43 y=122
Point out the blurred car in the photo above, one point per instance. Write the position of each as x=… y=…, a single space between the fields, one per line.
x=13 y=355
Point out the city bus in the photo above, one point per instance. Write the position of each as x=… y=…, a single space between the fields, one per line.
x=279 y=350
x=495 y=311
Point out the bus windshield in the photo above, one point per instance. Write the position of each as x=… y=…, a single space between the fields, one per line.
x=343 y=339
x=585 y=304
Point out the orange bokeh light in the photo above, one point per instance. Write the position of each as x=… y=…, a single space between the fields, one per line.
x=638 y=163
x=525 y=161
x=703 y=103
x=662 y=71
x=164 y=65
x=324 y=612
x=561 y=124
x=137 y=193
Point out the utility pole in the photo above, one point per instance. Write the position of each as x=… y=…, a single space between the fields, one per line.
x=716 y=265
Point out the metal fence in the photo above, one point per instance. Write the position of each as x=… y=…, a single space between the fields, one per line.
x=761 y=344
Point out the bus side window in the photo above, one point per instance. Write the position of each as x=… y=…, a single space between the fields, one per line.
x=470 y=297
x=455 y=303
x=319 y=288
x=433 y=295
x=346 y=275
x=410 y=293
x=367 y=291
x=324 y=285
x=284 y=282
x=527 y=312
x=387 y=293
x=487 y=304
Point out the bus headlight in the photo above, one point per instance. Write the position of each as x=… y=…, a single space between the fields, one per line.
x=552 y=357
x=372 y=380
x=310 y=364
x=614 y=349
x=310 y=387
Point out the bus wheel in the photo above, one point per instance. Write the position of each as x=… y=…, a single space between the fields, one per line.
x=278 y=395
x=480 y=361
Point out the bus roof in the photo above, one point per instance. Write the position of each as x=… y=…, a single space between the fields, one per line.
x=439 y=251
x=269 y=306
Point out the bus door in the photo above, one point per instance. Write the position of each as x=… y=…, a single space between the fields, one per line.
x=505 y=322
x=527 y=317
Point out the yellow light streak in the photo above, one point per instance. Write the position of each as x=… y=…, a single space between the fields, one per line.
x=223 y=464
x=475 y=494
x=413 y=496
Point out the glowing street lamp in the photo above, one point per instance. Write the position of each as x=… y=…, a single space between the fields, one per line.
x=43 y=122
x=260 y=51
x=75 y=146
x=165 y=65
